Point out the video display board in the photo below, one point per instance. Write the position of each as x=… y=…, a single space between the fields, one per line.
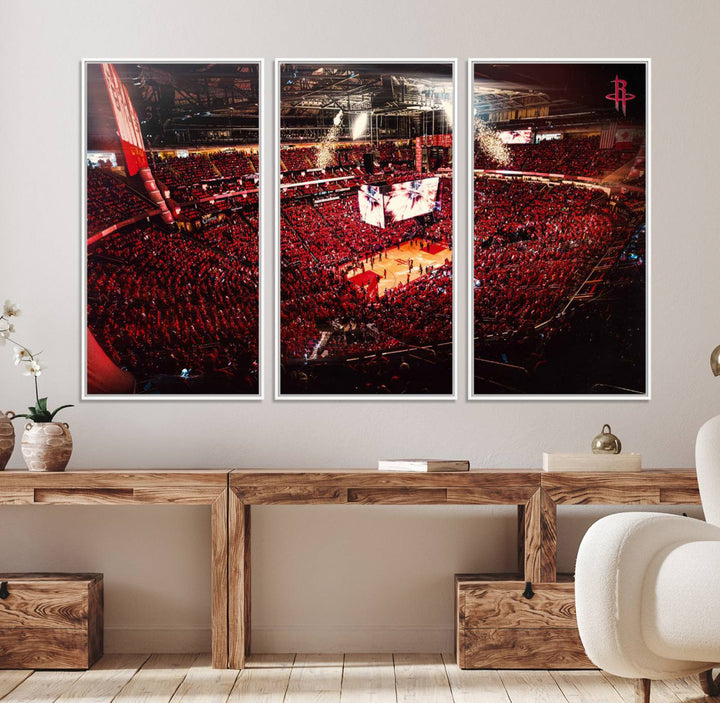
x=411 y=199
x=370 y=201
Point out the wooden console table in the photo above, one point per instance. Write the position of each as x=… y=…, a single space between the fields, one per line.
x=201 y=487
x=537 y=495
x=231 y=494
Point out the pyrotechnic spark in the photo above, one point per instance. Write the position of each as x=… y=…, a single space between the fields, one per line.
x=326 y=149
x=491 y=144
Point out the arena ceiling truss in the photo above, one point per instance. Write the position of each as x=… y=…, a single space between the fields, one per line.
x=311 y=90
x=182 y=92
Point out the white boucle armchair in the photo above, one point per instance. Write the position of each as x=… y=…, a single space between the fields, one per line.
x=647 y=586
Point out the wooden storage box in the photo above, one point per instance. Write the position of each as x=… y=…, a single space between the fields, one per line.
x=50 y=621
x=497 y=627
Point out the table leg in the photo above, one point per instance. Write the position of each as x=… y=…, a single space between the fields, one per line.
x=238 y=581
x=219 y=581
x=537 y=538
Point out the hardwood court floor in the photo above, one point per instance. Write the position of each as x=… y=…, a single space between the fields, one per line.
x=322 y=678
x=393 y=268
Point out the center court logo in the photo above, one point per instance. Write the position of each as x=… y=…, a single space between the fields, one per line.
x=620 y=97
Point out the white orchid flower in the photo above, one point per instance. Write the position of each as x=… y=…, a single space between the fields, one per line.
x=21 y=355
x=33 y=368
x=10 y=309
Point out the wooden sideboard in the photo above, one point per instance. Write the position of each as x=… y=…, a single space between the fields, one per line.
x=232 y=493
x=200 y=487
x=535 y=493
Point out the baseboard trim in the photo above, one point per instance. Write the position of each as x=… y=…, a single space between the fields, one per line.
x=277 y=640
x=352 y=639
x=148 y=640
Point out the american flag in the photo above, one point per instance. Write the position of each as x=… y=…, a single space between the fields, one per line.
x=607 y=135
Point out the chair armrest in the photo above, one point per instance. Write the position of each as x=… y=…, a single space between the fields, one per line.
x=610 y=573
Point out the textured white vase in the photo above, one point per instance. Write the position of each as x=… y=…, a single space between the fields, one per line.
x=7 y=437
x=46 y=446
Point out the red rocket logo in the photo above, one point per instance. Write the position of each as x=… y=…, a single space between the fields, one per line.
x=620 y=97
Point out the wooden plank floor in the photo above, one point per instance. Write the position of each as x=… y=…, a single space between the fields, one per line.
x=322 y=678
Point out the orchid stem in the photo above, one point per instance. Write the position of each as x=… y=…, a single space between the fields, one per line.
x=30 y=355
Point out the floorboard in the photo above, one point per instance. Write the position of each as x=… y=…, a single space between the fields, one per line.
x=368 y=678
x=324 y=678
x=586 y=687
x=105 y=680
x=203 y=684
x=474 y=685
x=264 y=680
x=531 y=687
x=421 y=677
x=43 y=687
x=11 y=679
x=315 y=678
x=659 y=691
x=158 y=680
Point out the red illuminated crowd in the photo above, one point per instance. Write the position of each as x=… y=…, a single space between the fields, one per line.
x=534 y=245
x=161 y=301
x=199 y=167
x=578 y=156
x=109 y=201
x=178 y=306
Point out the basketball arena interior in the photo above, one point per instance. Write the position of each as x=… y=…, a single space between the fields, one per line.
x=172 y=228
x=559 y=217
x=366 y=229
x=365 y=224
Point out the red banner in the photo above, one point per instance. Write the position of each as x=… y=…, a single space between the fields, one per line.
x=441 y=140
x=418 y=154
x=126 y=120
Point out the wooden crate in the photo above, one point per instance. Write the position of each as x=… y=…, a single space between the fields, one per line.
x=50 y=621
x=497 y=627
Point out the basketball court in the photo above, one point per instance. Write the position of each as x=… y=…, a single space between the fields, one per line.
x=392 y=266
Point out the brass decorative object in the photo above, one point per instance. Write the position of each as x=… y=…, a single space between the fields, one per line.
x=606 y=442
x=715 y=360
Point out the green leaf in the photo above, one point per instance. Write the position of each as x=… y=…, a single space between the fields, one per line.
x=32 y=410
x=57 y=410
x=42 y=404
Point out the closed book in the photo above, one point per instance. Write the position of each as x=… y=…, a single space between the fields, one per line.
x=421 y=465
x=591 y=462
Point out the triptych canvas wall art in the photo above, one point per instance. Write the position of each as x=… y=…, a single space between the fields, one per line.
x=172 y=255
x=366 y=229
x=559 y=230
x=365 y=276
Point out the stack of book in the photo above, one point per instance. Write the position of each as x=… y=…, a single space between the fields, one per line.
x=591 y=462
x=422 y=465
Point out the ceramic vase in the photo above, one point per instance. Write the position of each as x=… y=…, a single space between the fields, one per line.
x=7 y=437
x=46 y=446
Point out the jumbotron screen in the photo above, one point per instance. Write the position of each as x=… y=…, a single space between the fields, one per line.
x=411 y=199
x=370 y=200
x=516 y=136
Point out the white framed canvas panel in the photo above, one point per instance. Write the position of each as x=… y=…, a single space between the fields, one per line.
x=365 y=229
x=559 y=224
x=171 y=242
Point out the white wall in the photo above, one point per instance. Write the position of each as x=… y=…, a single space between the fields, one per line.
x=366 y=577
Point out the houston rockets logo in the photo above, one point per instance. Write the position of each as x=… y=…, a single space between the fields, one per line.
x=620 y=96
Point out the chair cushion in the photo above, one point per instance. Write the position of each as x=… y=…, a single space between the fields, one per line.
x=681 y=602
